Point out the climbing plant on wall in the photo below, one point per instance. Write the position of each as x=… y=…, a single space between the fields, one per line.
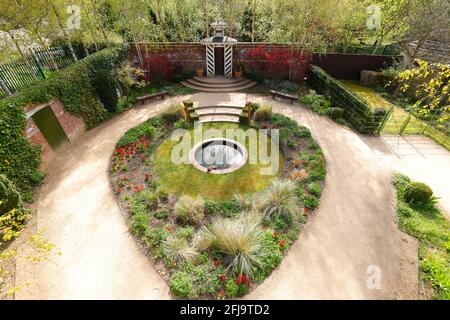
x=75 y=87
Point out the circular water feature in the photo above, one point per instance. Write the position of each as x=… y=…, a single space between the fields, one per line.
x=218 y=156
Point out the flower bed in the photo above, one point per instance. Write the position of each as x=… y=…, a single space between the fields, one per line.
x=222 y=248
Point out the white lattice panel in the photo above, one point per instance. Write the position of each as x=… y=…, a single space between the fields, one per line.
x=210 y=65
x=228 y=61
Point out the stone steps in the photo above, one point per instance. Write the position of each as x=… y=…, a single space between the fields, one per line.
x=225 y=83
x=219 y=118
x=218 y=84
x=219 y=110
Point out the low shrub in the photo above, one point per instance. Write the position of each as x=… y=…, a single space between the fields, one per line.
x=231 y=289
x=173 y=113
x=148 y=198
x=9 y=196
x=315 y=189
x=178 y=249
x=155 y=236
x=132 y=135
x=401 y=181
x=264 y=113
x=206 y=279
x=336 y=113
x=190 y=210
x=185 y=232
x=139 y=223
x=311 y=202
x=238 y=239
x=226 y=209
x=182 y=285
x=431 y=228
x=279 y=199
x=417 y=192
x=269 y=255
x=318 y=103
x=161 y=214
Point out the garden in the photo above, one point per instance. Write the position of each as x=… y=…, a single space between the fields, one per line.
x=215 y=184
x=215 y=236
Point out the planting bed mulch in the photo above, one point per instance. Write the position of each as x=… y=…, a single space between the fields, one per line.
x=205 y=272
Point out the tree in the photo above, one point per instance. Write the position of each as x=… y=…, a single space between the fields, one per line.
x=256 y=21
x=232 y=10
x=428 y=19
x=59 y=10
x=13 y=20
x=432 y=89
x=208 y=11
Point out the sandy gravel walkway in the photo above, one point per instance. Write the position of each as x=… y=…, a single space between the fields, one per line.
x=353 y=229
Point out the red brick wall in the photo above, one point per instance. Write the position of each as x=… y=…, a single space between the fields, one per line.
x=188 y=56
x=183 y=56
x=35 y=137
x=73 y=126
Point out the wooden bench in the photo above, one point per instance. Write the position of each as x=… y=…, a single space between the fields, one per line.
x=283 y=95
x=142 y=99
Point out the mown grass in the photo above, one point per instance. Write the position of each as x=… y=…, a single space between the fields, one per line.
x=398 y=117
x=426 y=223
x=185 y=179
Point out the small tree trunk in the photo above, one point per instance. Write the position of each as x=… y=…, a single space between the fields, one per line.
x=66 y=35
x=22 y=54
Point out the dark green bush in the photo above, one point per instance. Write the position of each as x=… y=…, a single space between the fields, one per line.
x=9 y=196
x=336 y=113
x=417 y=192
x=105 y=88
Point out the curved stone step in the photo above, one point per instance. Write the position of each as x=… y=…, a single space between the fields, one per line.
x=218 y=111
x=219 y=106
x=219 y=85
x=222 y=90
x=219 y=118
x=218 y=80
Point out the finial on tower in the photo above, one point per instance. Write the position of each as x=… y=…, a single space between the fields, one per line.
x=219 y=28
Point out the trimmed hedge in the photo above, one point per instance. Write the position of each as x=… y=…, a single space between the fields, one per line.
x=417 y=192
x=75 y=86
x=356 y=111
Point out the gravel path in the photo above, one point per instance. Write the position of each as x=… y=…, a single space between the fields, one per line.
x=354 y=228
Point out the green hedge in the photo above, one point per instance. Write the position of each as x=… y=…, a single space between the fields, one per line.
x=356 y=111
x=75 y=86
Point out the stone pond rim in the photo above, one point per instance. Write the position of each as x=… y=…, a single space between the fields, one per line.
x=218 y=156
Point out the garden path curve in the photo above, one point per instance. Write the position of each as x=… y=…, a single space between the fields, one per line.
x=353 y=229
